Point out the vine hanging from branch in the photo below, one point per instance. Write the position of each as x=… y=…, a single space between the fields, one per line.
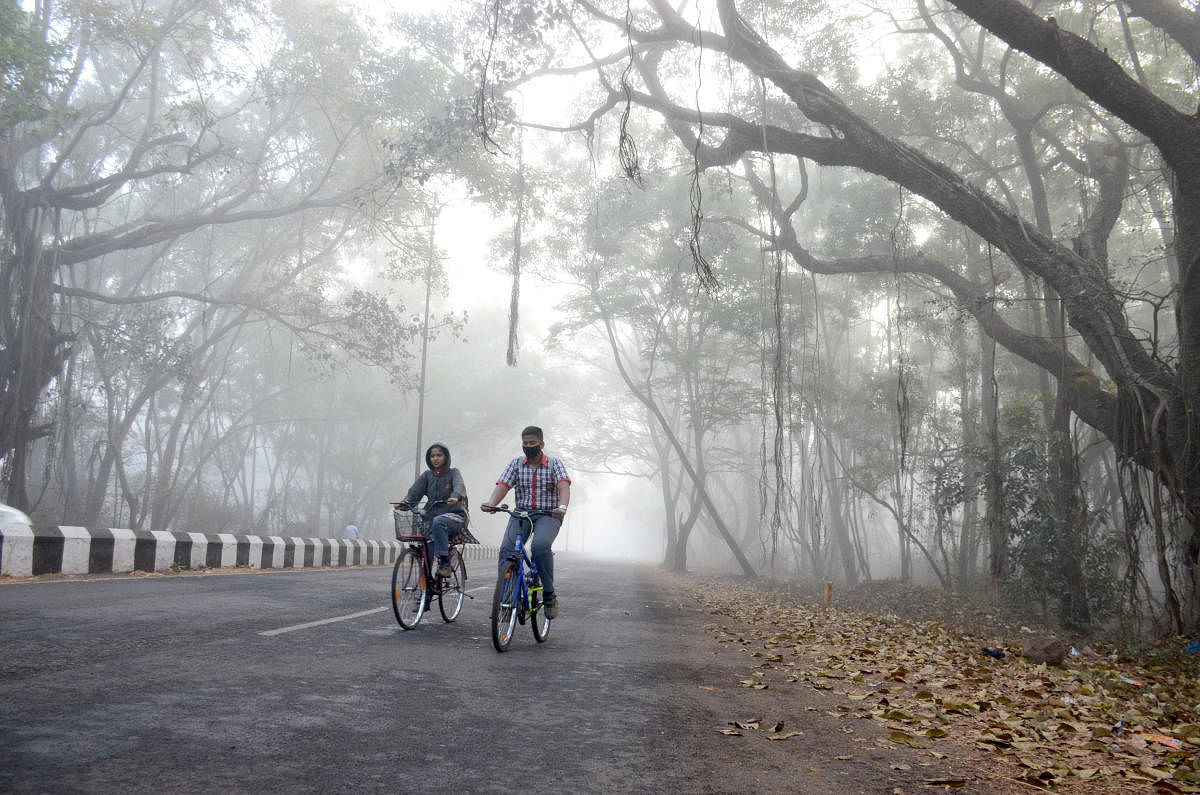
x=704 y=270
x=627 y=153
x=484 y=91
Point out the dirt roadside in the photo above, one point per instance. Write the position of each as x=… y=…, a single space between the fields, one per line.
x=765 y=726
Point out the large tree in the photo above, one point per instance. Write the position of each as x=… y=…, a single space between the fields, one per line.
x=1142 y=396
x=127 y=127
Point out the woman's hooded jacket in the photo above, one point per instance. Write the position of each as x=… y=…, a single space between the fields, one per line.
x=439 y=485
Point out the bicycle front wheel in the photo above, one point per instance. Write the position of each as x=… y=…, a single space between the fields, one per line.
x=504 y=605
x=538 y=616
x=408 y=589
x=454 y=588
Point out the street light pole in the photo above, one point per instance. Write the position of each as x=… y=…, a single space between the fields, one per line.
x=432 y=254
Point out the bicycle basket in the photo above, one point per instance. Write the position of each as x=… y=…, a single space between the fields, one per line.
x=408 y=524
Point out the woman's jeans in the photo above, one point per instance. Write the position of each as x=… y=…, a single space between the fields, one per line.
x=441 y=529
x=545 y=530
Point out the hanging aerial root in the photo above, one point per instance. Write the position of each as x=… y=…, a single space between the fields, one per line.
x=483 y=92
x=704 y=270
x=627 y=153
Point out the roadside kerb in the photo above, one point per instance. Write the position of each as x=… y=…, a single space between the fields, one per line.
x=27 y=552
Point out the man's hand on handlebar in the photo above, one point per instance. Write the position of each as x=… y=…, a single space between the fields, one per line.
x=557 y=513
x=402 y=506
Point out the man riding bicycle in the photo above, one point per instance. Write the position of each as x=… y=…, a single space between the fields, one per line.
x=443 y=487
x=541 y=484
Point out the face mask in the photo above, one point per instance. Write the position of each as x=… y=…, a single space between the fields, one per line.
x=531 y=452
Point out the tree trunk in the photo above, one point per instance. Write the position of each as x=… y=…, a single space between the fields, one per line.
x=837 y=506
x=698 y=482
x=1071 y=545
x=31 y=349
x=968 y=530
x=994 y=518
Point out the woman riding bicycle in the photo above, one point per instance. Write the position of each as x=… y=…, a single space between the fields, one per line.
x=443 y=487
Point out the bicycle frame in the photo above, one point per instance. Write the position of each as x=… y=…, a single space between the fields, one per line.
x=419 y=543
x=422 y=544
x=527 y=574
x=524 y=600
x=420 y=547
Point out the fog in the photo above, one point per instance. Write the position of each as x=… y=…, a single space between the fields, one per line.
x=798 y=291
x=611 y=516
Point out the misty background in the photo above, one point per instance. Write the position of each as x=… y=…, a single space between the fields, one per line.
x=912 y=305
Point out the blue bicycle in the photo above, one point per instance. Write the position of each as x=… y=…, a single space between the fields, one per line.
x=518 y=595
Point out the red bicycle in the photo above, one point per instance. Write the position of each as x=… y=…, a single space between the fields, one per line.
x=414 y=579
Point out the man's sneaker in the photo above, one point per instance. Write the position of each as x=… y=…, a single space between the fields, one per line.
x=550 y=605
x=444 y=569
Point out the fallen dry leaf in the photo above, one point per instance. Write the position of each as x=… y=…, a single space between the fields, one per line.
x=787 y=736
x=1096 y=718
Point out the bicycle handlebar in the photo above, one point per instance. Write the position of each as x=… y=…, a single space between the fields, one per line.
x=522 y=514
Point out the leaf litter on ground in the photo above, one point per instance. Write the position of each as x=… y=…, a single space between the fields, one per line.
x=1095 y=722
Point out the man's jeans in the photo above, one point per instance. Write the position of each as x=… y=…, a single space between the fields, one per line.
x=441 y=529
x=545 y=530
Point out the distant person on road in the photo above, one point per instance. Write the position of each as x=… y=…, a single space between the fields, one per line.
x=351 y=532
x=541 y=484
x=442 y=486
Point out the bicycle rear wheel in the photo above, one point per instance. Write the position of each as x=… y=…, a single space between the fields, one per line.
x=538 y=618
x=408 y=589
x=454 y=588
x=504 y=605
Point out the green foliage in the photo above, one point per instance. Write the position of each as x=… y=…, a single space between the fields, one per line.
x=695 y=353
x=218 y=164
x=29 y=69
x=1038 y=571
x=428 y=110
x=520 y=30
x=1038 y=540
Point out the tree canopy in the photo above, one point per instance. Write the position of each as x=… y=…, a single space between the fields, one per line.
x=1044 y=141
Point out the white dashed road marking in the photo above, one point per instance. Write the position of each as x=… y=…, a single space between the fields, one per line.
x=295 y=627
x=335 y=619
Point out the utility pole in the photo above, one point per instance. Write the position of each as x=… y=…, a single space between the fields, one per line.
x=431 y=216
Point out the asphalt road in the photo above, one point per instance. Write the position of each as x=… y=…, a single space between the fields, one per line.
x=169 y=684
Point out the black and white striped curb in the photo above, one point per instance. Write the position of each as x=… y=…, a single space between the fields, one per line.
x=26 y=552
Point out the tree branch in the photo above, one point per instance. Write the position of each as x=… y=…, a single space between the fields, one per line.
x=1092 y=307
x=1181 y=24
x=87 y=247
x=1094 y=73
